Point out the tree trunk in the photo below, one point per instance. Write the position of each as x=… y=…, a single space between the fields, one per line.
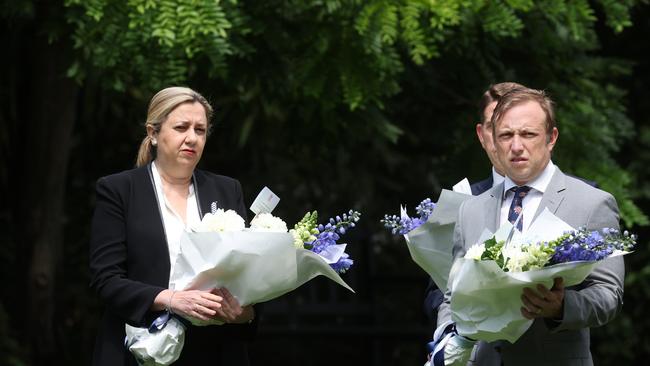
x=41 y=152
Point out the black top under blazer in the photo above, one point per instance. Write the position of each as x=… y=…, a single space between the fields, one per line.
x=129 y=266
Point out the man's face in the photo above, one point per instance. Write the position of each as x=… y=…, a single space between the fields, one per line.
x=522 y=145
x=484 y=133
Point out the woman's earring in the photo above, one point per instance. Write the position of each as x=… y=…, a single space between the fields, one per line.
x=154 y=142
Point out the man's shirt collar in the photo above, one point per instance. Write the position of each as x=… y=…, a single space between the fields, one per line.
x=539 y=184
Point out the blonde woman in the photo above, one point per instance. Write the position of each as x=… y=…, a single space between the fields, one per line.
x=139 y=217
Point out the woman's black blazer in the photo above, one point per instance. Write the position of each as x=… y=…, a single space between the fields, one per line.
x=129 y=266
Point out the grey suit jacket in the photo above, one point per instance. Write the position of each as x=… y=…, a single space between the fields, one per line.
x=592 y=303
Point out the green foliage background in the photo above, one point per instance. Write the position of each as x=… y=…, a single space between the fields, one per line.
x=338 y=104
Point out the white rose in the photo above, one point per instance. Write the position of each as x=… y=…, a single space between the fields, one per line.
x=267 y=222
x=516 y=258
x=475 y=251
x=221 y=221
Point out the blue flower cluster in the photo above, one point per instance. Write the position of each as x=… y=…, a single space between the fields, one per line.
x=329 y=234
x=343 y=264
x=584 y=245
x=400 y=225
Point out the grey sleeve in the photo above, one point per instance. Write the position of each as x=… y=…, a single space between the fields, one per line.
x=599 y=298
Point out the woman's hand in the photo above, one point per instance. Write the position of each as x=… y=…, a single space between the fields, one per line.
x=197 y=304
x=231 y=311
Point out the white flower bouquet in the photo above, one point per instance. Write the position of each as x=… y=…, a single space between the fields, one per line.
x=486 y=285
x=256 y=264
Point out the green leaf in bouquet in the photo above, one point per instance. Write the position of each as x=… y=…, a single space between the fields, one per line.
x=493 y=251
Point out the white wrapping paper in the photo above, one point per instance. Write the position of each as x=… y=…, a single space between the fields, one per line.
x=486 y=301
x=160 y=348
x=431 y=244
x=254 y=266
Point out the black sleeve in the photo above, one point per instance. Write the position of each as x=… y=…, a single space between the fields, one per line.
x=127 y=298
x=433 y=297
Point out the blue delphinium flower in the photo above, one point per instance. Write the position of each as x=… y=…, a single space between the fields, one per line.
x=330 y=233
x=400 y=225
x=584 y=245
x=324 y=240
x=425 y=209
x=343 y=264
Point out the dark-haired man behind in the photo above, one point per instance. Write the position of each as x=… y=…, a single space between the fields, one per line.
x=433 y=295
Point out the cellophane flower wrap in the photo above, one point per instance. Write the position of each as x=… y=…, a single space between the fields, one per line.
x=264 y=261
x=255 y=264
x=487 y=283
x=429 y=235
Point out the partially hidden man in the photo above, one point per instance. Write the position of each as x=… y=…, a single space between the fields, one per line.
x=433 y=296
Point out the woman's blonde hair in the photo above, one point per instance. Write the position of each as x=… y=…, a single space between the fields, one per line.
x=161 y=105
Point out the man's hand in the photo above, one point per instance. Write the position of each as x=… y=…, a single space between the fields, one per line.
x=544 y=303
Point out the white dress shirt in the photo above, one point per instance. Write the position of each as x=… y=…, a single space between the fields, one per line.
x=531 y=202
x=172 y=221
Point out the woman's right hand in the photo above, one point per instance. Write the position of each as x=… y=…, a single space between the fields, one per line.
x=202 y=305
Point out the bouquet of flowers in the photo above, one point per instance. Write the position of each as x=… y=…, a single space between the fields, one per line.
x=429 y=235
x=264 y=261
x=487 y=283
x=573 y=246
x=255 y=264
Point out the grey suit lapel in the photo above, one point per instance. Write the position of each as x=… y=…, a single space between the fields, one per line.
x=554 y=194
x=493 y=206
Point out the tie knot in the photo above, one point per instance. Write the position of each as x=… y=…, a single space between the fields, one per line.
x=520 y=192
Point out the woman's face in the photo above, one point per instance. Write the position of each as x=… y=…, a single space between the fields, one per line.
x=181 y=138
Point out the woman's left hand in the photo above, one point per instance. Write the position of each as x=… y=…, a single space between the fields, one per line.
x=231 y=311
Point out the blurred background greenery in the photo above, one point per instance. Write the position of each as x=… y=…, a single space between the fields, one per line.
x=333 y=104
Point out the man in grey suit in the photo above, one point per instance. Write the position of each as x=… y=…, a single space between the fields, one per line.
x=433 y=296
x=524 y=135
